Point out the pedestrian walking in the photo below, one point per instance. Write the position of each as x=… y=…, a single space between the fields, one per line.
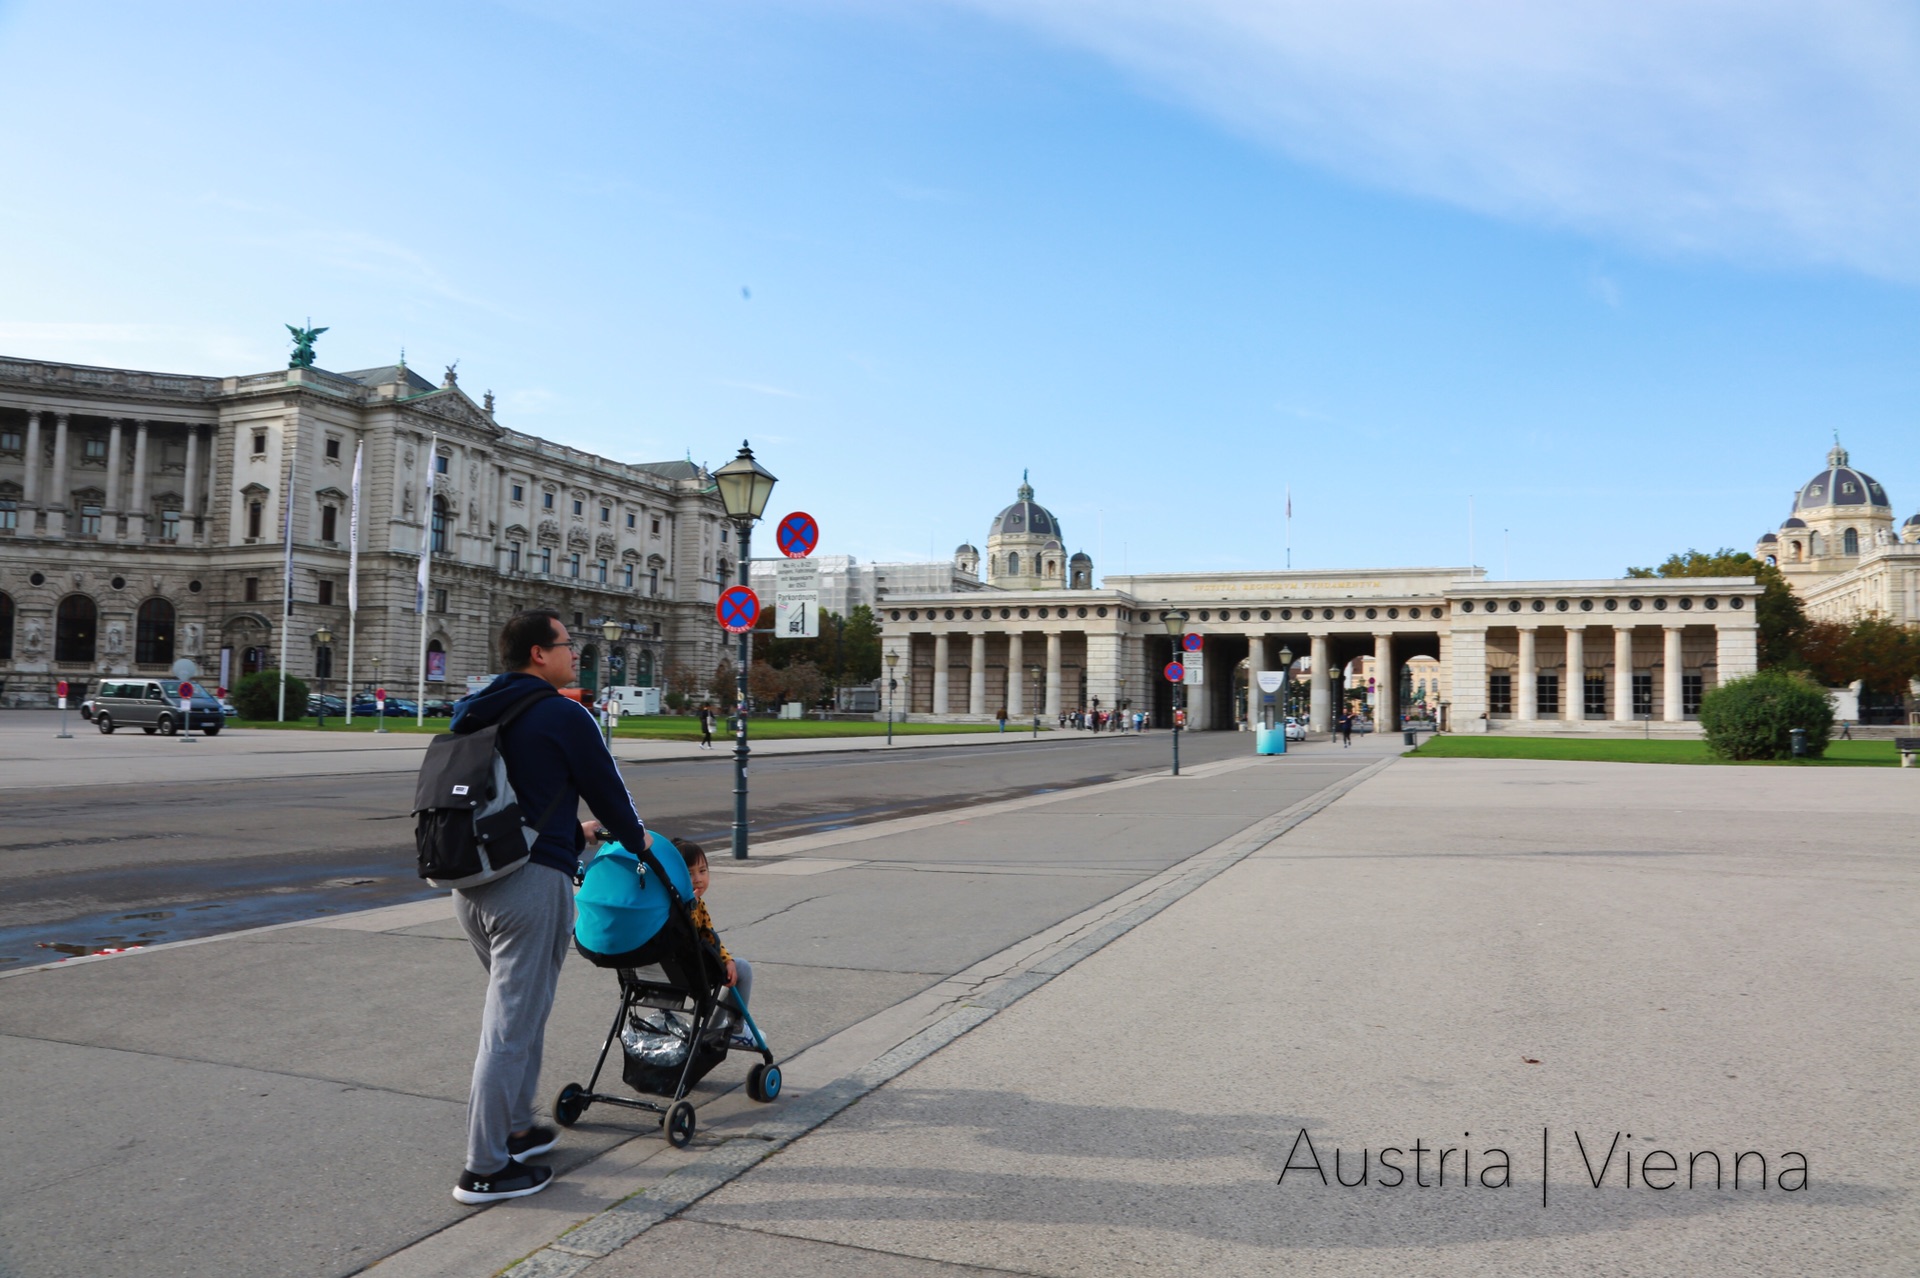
x=1346 y=729
x=706 y=727
x=1002 y=717
x=521 y=925
x=1846 y=729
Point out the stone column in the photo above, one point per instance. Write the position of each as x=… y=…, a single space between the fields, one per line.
x=977 y=676
x=58 y=498
x=112 y=507
x=1320 y=695
x=940 y=658
x=1386 y=686
x=137 y=508
x=190 y=503
x=1527 y=676
x=1736 y=652
x=1016 y=675
x=1053 y=675
x=1670 y=710
x=1573 y=692
x=30 y=493
x=1623 y=673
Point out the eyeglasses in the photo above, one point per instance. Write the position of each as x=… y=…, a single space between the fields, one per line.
x=570 y=644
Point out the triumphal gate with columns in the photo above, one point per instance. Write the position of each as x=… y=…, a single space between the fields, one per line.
x=1579 y=655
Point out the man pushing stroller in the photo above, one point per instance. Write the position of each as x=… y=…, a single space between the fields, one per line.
x=521 y=925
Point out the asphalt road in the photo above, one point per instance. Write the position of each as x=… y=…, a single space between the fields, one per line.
x=139 y=864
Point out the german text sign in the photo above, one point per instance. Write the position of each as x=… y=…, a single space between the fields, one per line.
x=796 y=599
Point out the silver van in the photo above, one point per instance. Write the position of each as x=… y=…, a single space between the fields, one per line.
x=153 y=705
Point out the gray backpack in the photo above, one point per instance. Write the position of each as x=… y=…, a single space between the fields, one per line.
x=468 y=827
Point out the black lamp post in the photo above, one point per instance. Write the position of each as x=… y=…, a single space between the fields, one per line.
x=893 y=660
x=1286 y=688
x=1176 y=623
x=744 y=486
x=323 y=639
x=610 y=630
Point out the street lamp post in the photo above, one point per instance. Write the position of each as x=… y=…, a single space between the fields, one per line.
x=1286 y=690
x=610 y=630
x=744 y=486
x=322 y=637
x=1038 y=691
x=1176 y=623
x=893 y=660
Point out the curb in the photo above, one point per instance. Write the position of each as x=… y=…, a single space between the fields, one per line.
x=602 y=1235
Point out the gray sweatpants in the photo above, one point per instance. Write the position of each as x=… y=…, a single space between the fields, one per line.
x=520 y=927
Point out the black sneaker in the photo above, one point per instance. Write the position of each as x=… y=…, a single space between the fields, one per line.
x=515 y=1180
x=536 y=1140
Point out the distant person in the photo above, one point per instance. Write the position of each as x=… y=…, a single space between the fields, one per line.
x=1846 y=729
x=522 y=924
x=1346 y=729
x=1002 y=717
x=706 y=727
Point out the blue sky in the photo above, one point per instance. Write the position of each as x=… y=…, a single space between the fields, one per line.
x=1618 y=280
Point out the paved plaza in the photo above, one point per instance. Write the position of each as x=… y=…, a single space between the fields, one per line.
x=1078 y=1034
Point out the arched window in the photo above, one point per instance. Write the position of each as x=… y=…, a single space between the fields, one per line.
x=6 y=626
x=1813 y=545
x=589 y=675
x=642 y=669
x=1013 y=564
x=439 y=525
x=1796 y=552
x=153 y=633
x=1851 y=541
x=73 y=627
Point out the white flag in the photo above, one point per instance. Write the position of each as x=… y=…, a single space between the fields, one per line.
x=426 y=528
x=353 y=535
x=293 y=464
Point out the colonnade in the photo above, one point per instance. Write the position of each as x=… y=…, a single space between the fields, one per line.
x=54 y=496
x=1016 y=706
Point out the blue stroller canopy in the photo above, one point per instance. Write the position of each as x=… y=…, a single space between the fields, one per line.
x=619 y=908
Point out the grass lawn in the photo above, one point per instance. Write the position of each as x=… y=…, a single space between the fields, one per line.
x=665 y=727
x=1844 y=754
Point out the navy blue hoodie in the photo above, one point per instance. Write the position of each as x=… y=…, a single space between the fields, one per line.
x=555 y=758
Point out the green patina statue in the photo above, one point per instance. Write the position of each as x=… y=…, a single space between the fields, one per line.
x=303 y=345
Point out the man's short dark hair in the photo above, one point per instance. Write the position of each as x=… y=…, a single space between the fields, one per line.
x=524 y=632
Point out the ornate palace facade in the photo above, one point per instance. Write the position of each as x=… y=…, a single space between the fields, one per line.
x=141 y=521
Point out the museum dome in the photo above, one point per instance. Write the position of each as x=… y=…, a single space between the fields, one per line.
x=1768 y=537
x=1026 y=517
x=1794 y=521
x=1913 y=521
x=1841 y=485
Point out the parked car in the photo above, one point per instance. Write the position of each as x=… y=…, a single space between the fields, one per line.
x=226 y=708
x=325 y=703
x=396 y=707
x=86 y=709
x=153 y=705
x=439 y=709
x=1296 y=730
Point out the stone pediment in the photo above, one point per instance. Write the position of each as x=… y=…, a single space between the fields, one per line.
x=515 y=532
x=450 y=404
x=255 y=489
x=330 y=493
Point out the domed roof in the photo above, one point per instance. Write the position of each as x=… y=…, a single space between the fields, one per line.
x=1080 y=557
x=1026 y=517
x=1794 y=522
x=1841 y=485
x=1913 y=521
x=1770 y=537
x=965 y=548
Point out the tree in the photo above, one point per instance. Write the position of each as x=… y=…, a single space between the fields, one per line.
x=803 y=682
x=1781 y=619
x=1753 y=717
x=725 y=685
x=860 y=658
x=1883 y=656
x=257 y=696
x=765 y=684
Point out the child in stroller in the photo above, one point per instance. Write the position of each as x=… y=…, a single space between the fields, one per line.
x=739 y=971
x=636 y=915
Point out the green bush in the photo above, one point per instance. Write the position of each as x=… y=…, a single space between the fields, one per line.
x=258 y=696
x=676 y=701
x=1754 y=717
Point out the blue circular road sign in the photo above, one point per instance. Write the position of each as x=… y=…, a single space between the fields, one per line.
x=738 y=609
x=797 y=534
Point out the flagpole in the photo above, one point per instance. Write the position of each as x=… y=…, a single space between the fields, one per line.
x=353 y=575
x=286 y=606
x=1289 y=527
x=426 y=560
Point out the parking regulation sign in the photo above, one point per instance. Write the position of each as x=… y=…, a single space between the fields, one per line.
x=738 y=609
x=1174 y=672
x=797 y=534
x=1192 y=642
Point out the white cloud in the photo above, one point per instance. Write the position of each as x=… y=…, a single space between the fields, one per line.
x=1784 y=132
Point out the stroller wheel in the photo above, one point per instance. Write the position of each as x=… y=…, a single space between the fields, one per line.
x=763 y=1082
x=569 y=1104
x=680 y=1124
